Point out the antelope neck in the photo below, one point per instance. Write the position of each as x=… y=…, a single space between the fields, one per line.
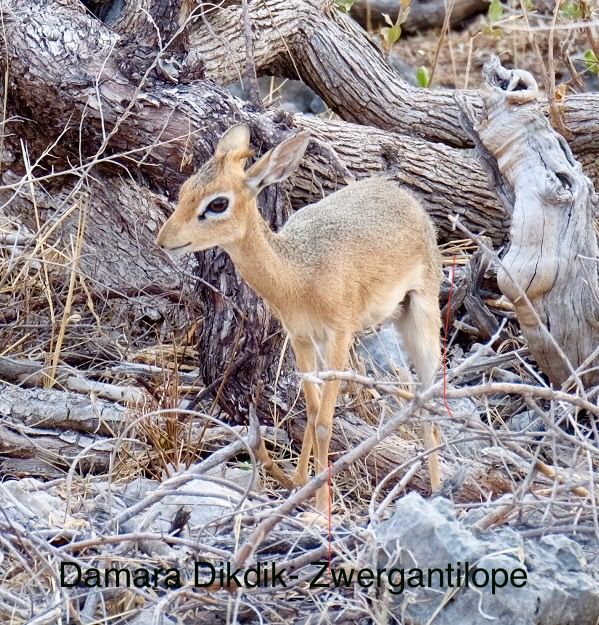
x=260 y=259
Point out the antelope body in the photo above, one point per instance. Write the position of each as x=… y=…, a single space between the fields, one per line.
x=360 y=256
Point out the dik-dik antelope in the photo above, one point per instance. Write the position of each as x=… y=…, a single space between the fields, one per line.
x=360 y=256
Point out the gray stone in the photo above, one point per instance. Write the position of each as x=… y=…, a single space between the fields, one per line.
x=382 y=351
x=561 y=587
x=147 y=616
x=292 y=96
x=528 y=419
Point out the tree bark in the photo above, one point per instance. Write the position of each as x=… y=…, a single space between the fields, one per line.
x=175 y=128
x=60 y=410
x=50 y=452
x=349 y=431
x=125 y=286
x=90 y=88
x=331 y=53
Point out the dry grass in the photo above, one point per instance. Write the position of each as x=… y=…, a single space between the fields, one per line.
x=464 y=50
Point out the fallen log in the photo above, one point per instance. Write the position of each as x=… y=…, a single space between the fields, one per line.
x=52 y=450
x=484 y=477
x=53 y=409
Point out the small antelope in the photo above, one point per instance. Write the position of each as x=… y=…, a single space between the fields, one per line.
x=360 y=256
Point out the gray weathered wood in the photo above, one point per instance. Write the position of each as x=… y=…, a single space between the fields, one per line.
x=553 y=252
x=56 y=449
x=44 y=429
x=191 y=117
x=331 y=53
x=54 y=409
x=180 y=124
x=32 y=373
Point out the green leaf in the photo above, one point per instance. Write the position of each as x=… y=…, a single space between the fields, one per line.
x=422 y=76
x=495 y=12
x=571 y=10
x=344 y=5
x=392 y=34
x=592 y=62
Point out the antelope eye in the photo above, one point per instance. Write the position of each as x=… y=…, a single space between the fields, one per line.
x=218 y=205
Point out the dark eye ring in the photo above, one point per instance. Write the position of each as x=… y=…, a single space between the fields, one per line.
x=218 y=205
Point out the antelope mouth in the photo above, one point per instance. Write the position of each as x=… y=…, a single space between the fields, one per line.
x=178 y=248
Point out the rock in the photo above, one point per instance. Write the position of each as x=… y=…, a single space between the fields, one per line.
x=405 y=70
x=31 y=504
x=382 y=352
x=205 y=500
x=546 y=581
x=145 y=617
x=524 y=420
x=290 y=95
x=382 y=355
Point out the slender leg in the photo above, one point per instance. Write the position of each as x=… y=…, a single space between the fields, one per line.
x=420 y=325
x=336 y=358
x=270 y=467
x=430 y=442
x=306 y=361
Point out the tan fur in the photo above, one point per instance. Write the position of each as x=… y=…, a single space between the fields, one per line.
x=360 y=256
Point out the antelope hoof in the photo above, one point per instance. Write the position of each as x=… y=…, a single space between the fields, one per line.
x=314 y=519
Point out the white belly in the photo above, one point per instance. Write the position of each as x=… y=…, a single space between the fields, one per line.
x=382 y=306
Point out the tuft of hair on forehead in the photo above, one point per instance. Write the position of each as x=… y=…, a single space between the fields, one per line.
x=217 y=165
x=236 y=156
x=232 y=161
x=204 y=175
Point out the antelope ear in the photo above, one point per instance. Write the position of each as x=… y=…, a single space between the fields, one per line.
x=236 y=138
x=278 y=163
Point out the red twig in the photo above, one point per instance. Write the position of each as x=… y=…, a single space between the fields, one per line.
x=330 y=514
x=447 y=320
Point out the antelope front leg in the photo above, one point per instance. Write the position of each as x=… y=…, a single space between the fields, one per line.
x=336 y=358
x=305 y=356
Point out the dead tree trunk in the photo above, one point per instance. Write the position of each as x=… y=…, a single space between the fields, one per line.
x=550 y=270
